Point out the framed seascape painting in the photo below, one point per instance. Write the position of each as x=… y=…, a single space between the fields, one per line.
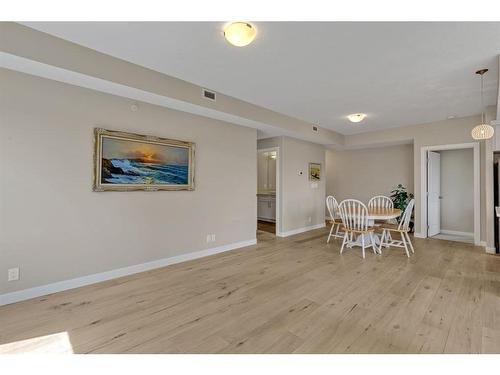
x=127 y=161
x=314 y=172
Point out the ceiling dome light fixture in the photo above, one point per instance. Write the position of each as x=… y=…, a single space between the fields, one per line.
x=240 y=34
x=483 y=130
x=356 y=117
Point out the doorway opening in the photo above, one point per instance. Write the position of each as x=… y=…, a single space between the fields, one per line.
x=268 y=198
x=450 y=187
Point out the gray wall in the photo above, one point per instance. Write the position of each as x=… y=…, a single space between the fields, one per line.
x=55 y=228
x=363 y=173
x=302 y=204
x=457 y=190
x=28 y=43
x=455 y=131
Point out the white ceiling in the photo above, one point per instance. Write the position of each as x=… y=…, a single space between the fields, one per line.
x=398 y=73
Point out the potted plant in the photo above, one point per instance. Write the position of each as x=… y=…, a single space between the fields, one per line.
x=400 y=197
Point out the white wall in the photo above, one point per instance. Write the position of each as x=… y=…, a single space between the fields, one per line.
x=457 y=190
x=54 y=227
x=364 y=173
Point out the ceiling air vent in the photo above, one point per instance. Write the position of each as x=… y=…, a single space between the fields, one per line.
x=315 y=128
x=209 y=94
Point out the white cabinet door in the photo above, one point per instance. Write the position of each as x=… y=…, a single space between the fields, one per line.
x=266 y=208
x=273 y=209
x=263 y=208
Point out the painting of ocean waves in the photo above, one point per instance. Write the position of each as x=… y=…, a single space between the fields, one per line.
x=137 y=162
x=125 y=171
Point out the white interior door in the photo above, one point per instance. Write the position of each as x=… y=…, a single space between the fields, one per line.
x=434 y=193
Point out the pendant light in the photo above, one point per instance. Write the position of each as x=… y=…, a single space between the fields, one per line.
x=483 y=130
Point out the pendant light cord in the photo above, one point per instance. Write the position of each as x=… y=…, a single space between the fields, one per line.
x=482 y=103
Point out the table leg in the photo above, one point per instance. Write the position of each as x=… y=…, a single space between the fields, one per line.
x=368 y=241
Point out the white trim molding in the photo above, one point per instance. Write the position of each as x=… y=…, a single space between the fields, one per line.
x=489 y=250
x=60 y=286
x=301 y=230
x=477 y=182
x=457 y=233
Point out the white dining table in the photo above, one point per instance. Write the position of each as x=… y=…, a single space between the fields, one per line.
x=376 y=214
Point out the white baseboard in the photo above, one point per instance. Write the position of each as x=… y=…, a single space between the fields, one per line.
x=60 y=286
x=457 y=233
x=490 y=250
x=301 y=230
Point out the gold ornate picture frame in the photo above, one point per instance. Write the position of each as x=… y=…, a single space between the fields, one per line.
x=128 y=161
x=314 y=172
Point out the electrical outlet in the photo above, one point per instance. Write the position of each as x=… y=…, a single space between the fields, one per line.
x=309 y=219
x=13 y=274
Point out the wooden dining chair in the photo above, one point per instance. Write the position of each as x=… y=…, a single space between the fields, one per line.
x=354 y=215
x=333 y=210
x=403 y=229
x=381 y=202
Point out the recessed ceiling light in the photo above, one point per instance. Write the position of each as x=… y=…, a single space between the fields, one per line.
x=356 y=117
x=451 y=117
x=240 y=34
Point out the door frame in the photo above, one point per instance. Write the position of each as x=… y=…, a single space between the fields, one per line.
x=433 y=156
x=278 y=185
x=477 y=184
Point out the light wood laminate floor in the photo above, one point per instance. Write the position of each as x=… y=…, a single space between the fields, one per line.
x=292 y=295
x=266 y=226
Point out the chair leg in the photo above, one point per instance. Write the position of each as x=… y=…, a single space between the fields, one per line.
x=404 y=243
x=343 y=242
x=337 y=231
x=363 y=244
x=331 y=231
x=382 y=238
x=409 y=241
x=374 y=247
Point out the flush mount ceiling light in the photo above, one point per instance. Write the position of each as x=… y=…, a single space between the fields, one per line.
x=240 y=34
x=356 y=117
x=483 y=130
